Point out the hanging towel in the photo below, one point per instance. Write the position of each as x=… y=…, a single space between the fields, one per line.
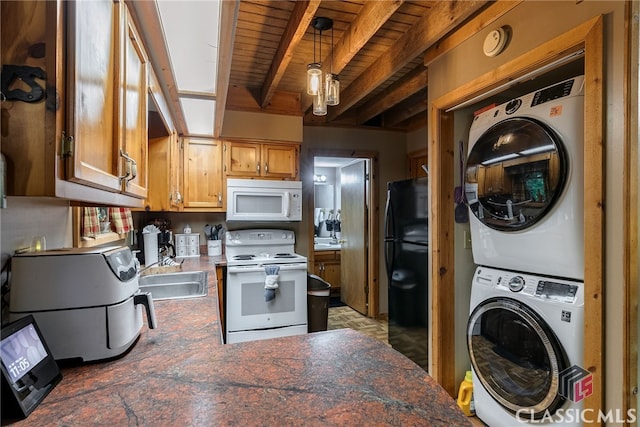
x=121 y=219
x=90 y=222
x=316 y=216
x=270 y=282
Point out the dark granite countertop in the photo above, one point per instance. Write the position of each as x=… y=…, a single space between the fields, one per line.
x=182 y=374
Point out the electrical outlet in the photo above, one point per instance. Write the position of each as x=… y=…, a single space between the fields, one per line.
x=467 y=239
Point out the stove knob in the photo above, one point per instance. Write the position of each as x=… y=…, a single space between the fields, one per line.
x=516 y=284
x=284 y=236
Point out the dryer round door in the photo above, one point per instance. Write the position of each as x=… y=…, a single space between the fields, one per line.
x=516 y=356
x=515 y=172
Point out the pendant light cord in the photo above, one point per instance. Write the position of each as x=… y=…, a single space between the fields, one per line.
x=332 y=46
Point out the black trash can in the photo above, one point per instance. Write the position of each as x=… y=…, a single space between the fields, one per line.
x=318 y=292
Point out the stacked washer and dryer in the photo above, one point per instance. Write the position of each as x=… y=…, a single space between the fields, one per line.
x=524 y=186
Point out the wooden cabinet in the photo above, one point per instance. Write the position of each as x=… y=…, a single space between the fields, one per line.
x=416 y=160
x=327 y=266
x=134 y=87
x=107 y=100
x=165 y=154
x=86 y=139
x=221 y=274
x=204 y=184
x=248 y=159
x=494 y=179
x=164 y=192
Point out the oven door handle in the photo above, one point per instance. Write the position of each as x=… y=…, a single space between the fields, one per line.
x=260 y=268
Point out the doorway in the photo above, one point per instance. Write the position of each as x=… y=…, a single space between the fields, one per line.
x=344 y=227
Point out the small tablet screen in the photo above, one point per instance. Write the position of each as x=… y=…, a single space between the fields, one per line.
x=29 y=372
x=21 y=352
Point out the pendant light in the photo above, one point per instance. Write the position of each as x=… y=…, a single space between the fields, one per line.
x=332 y=84
x=324 y=91
x=319 y=104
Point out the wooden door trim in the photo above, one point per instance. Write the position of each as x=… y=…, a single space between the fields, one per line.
x=631 y=206
x=373 y=218
x=587 y=36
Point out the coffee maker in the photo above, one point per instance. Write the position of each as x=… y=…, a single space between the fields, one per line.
x=165 y=239
x=165 y=247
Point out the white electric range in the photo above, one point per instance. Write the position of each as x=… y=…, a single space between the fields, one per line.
x=266 y=295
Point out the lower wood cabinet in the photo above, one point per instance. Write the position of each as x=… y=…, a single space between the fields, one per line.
x=327 y=267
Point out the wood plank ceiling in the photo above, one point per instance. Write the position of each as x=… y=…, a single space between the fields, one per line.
x=377 y=50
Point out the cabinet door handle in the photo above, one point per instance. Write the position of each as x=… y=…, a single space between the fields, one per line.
x=127 y=166
x=258 y=167
x=134 y=170
x=266 y=168
x=131 y=167
x=220 y=197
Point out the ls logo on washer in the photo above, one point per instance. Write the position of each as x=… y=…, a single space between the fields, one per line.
x=575 y=383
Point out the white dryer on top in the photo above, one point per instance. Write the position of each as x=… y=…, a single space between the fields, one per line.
x=524 y=182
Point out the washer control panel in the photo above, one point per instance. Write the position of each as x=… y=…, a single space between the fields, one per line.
x=556 y=291
x=516 y=283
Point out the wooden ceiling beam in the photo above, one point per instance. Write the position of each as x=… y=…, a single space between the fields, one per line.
x=416 y=104
x=228 y=18
x=442 y=18
x=297 y=26
x=474 y=26
x=372 y=16
x=412 y=82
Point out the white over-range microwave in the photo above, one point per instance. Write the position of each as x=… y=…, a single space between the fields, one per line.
x=263 y=200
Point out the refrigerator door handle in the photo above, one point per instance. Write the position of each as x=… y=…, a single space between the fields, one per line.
x=389 y=254
x=388 y=215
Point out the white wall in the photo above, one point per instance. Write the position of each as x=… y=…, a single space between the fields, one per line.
x=534 y=23
x=417 y=140
x=27 y=217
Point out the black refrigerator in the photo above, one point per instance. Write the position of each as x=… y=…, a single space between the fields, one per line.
x=406 y=253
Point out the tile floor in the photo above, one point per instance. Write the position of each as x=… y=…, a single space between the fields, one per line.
x=346 y=317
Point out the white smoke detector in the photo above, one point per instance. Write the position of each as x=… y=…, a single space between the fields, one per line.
x=495 y=42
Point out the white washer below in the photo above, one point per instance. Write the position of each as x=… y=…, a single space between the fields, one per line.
x=525 y=336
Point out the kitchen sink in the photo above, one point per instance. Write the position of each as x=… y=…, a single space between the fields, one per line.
x=326 y=243
x=184 y=284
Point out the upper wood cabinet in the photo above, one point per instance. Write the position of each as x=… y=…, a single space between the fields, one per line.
x=164 y=157
x=107 y=99
x=416 y=160
x=134 y=86
x=247 y=159
x=86 y=140
x=204 y=184
x=165 y=154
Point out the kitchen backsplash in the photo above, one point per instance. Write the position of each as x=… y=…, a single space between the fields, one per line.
x=179 y=220
x=28 y=217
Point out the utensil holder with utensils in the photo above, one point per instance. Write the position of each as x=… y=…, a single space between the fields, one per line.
x=214 y=247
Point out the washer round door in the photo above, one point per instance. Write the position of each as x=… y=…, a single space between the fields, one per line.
x=515 y=173
x=516 y=356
